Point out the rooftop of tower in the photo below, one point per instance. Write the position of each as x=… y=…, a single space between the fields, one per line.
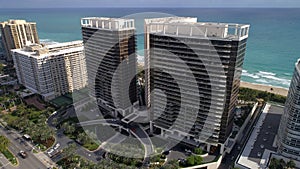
x=43 y=51
x=108 y=23
x=188 y=26
x=171 y=20
x=16 y=22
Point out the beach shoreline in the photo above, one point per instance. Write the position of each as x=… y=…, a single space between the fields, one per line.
x=271 y=89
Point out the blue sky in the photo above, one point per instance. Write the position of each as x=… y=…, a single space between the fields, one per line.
x=147 y=3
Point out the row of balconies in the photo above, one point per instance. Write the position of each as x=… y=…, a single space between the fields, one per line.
x=204 y=105
x=190 y=91
x=202 y=74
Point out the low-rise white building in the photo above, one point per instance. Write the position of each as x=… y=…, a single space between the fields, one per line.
x=51 y=70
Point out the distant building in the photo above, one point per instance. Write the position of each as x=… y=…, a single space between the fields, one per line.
x=200 y=99
x=51 y=70
x=289 y=130
x=1 y=48
x=110 y=50
x=16 y=34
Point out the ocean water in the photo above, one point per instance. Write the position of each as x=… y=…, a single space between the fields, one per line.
x=273 y=46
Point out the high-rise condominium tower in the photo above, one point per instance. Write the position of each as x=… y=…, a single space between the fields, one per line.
x=110 y=46
x=195 y=69
x=16 y=34
x=51 y=70
x=289 y=129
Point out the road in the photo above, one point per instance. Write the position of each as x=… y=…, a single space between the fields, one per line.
x=16 y=145
x=63 y=140
x=95 y=156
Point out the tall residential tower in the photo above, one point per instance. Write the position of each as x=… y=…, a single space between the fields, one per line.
x=51 y=70
x=195 y=70
x=110 y=46
x=16 y=34
x=289 y=129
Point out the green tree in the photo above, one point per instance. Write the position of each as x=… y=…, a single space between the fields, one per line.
x=198 y=151
x=82 y=138
x=198 y=160
x=274 y=163
x=291 y=164
x=68 y=151
x=171 y=165
x=282 y=164
x=55 y=121
x=190 y=161
x=69 y=128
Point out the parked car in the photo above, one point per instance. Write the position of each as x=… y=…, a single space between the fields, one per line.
x=56 y=146
x=50 y=151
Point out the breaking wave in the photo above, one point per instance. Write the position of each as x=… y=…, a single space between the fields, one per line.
x=268 y=78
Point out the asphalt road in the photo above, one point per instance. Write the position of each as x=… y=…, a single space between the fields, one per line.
x=17 y=144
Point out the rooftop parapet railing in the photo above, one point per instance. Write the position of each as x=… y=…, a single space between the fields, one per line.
x=171 y=20
x=201 y=29
x=108 y=23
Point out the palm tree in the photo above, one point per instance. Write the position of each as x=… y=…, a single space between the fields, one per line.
x=82 y=138
x=291 y=164
x=282 y=163
x=54 y=121
x=68 y=151
x=69 y=128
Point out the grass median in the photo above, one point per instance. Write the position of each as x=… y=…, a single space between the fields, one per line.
x=9 y=156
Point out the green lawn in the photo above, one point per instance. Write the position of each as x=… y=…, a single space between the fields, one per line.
x=10 y=156
x=91 y=146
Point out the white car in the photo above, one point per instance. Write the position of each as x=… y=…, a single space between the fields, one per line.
x=50 y=151
x=56 y=146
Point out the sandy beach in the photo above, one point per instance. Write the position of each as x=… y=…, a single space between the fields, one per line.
x=271 y=89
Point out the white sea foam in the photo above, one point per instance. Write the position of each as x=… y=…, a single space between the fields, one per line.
x=262 y=81
x=245 y=73
x=269 y=78
x=267 y=73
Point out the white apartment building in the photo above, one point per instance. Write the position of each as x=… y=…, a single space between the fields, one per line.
x=289 y=129
x=51 y=70
x=16 y=34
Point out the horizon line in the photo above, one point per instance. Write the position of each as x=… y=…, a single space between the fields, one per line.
x=150 y=7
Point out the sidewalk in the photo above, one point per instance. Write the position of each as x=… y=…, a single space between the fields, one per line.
x=45 y=159
x=4 y=163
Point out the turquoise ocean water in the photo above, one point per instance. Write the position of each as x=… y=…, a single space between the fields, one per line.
x=272 y=50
